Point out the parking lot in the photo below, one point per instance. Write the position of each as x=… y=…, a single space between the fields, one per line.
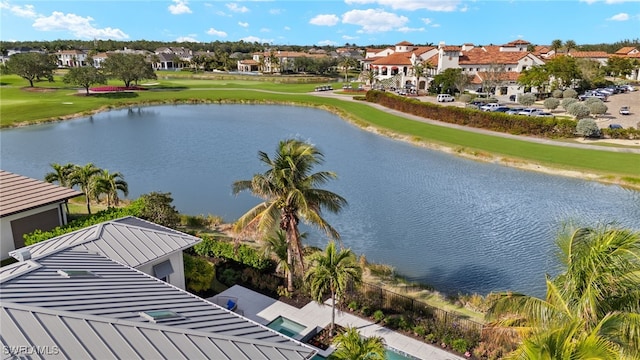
x=614 y=102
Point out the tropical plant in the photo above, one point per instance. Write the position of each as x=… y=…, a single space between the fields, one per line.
x=198 y=273
x=330 y=272
x=109 y=184
x=84 y=177
x=289 y=191
x=591 y=309
x=60 y=174
x=350 y=345
x=275 y=246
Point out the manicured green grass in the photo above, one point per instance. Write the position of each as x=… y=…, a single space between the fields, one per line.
x=19 y=106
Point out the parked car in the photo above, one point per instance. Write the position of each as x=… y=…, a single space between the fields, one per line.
x=615 y=126
x=543 y=114
x=444 y=98
x=629 y=87
x=529 y=111
x=514 y=111
x=490 y=106
x=586 y=96
x=624 y=110
x=502 y=109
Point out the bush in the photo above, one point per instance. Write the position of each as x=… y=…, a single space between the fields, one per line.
x=353 y=305
x=579 y=110
x=569 y=94
x=567 y=102
x=527 y=99
x=366 y=310
x=587 y=128
x=243 y=254
x=156 y=207
x=460 y=345
x=556 y=94
x=419 y=330
x=597 y=107
x=198 y=273
x=551 y=103
x=229 y=277
x=378 y=315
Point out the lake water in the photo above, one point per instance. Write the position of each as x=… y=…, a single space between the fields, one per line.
x=454 y=223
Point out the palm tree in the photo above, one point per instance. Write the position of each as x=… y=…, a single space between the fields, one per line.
x=351 y=346
x=331 y=271
x=570 y=45
x=593 y=307
x=289 y=192
x=346 y=63
x=275 y=246
x=60 y=174
x=109 y=184
x=84 y=176
x=556 y=45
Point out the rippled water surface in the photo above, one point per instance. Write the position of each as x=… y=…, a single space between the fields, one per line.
x=457 y=224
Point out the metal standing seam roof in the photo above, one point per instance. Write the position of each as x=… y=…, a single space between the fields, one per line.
x=128 y=240
x=19 y=193
x=89 y=315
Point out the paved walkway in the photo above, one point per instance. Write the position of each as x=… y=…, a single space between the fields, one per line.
x=263 y=309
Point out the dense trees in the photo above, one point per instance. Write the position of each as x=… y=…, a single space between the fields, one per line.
x=157 y=207
x=32 y=66
x=591 y=309
x=290 y=193
x=351 y=346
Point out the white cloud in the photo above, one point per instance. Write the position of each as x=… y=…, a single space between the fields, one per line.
x=275 y=11
x=190 y=38
x=217 y=33
x=411 y=5
x=79 y=26
x=347 y=37
x=324 y=20
x=427 y=21
x=373 y=21
x=406 y=29
x=237 y=8
x=243 y=24
x=327 y=43
x=180 y=7
x=287 y=28
x=265 y=30
x=26 y=11
x=256 y=39
x=619 y=17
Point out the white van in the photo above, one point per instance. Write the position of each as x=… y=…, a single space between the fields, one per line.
x=445 y=98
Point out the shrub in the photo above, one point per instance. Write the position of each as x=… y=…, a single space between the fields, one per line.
x=527 y=99
x=366 y=310
x=579 y=110
x=198 y=273
x=156 y=207
x=597 y=107
x=419 y=330
x=229 y=277
x=460 y=345
x=353 y=305
x=569 y=94
x=378 y=315
x=465 y=98
x=243 y=254
x=587 y=128
x=556 y=94
x=567 y=102
x=551 y=103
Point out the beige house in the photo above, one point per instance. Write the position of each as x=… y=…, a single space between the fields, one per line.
x=28 y=204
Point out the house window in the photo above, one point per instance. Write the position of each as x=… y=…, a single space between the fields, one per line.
x=163 y=270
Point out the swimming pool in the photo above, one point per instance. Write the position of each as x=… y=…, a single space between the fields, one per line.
x=286 y=326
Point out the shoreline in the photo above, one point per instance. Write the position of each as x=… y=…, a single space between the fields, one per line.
x=521 y=164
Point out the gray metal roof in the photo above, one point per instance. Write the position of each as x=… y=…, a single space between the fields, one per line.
x=19 y=193
x=128 y=240
x=61 y=334
x=98 y=315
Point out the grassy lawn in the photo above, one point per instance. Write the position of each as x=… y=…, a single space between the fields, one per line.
x=59 y=101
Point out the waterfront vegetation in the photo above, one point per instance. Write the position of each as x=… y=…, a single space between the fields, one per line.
x=57 y=101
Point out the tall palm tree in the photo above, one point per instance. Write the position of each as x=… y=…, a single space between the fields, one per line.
x=290 y=193
x=351 y=346
x=570 y=45
x=60 y=174
x=556 y=45
x=84 y=177
x=330 y=272
x=109 y=184
x=593 y=307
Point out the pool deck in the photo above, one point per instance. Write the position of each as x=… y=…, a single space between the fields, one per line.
x=263 y=309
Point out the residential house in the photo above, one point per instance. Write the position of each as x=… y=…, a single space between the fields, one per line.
x=600 y=56
x=273 y=61
x=68 y=298
x=71 y=58
x=632 y=53
x=28 y=204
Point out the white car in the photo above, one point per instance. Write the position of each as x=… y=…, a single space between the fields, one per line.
x=624 y=110
x=529 y=111
x=490 y=106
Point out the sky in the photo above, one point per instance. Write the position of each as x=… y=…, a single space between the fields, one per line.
x=326 y=22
